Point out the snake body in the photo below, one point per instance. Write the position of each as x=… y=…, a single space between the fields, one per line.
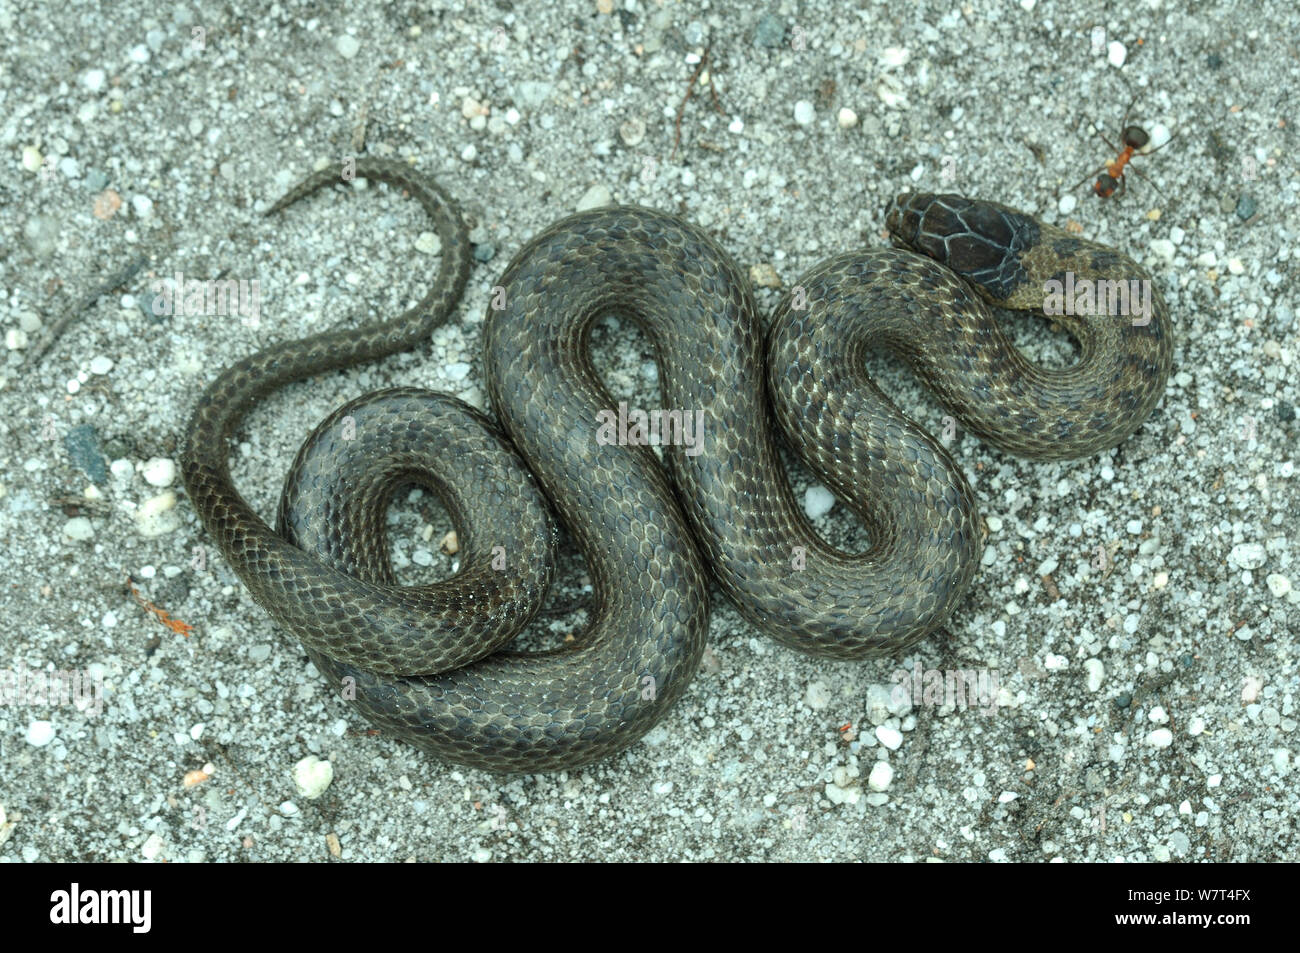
x=426 y=662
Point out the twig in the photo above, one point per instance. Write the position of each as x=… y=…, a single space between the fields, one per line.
x=61 y=325
x=690 y=91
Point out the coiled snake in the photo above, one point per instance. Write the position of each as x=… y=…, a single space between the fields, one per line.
x=426 y=660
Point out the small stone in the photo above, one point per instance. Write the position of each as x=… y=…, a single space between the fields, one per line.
x=817 y=501
x=817 y=695
x=15 y=339
x=804 y=113
x=99 y=364
x=840 y=795
x=763 y=275
x=846 y=118
x=156 y=516
x=1163 y=248
x=1278 y=584
x=152 y=847
x=1251 y=686
x=1247 y=555
x=1246 y=207
x=1096 y=672
x=159 y=472
x=1116 y=54
x=1160 y=738
x=78 y=528
x=632 y=132
x=1196 y=726
x=347 y=45
x=597 y=196
x=770 y=31
x=881 y=776
x=1158 y=716
x=312 y=776
x=891 y=738
x=40 y=733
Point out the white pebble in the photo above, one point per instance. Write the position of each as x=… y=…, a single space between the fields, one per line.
x=347 y=46
x=1250 y=689
x=846 y=117
x=1158 y=716
x=1160 y=738
x=159 y=472
x=1116 y=54
x=142 y=205
x=312 y=776
x=1279 y=585
x=40 y=733
x=891 y=738
x=1214 y=780
x=804 y=113
x=595 y=197
x=838 y=795
x=1196 y=726
x=817 y=696
x=152 y=847
x=457 y=371
x=78 y=528
x=94 y=80
x=817 y=501
x=155 y=517
x=1096 y=673
x=1247 y=555
x=15 y=339
x=881 y=776
x=1163 y=248
x=99 y=364
x=1067 y=204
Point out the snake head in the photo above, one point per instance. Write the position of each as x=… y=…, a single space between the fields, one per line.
x=981 y=241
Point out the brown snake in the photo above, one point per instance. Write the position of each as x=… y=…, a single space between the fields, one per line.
x=426 y=660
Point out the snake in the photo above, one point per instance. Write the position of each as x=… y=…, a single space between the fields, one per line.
x=659 y=524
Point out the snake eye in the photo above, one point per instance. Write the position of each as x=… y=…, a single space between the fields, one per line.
x=1135 y=137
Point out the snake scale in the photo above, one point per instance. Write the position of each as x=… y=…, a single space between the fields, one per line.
x=427 y=664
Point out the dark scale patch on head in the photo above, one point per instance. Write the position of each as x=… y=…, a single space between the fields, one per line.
x=982 y=241
x=1103 y=261
x=1066 y=247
